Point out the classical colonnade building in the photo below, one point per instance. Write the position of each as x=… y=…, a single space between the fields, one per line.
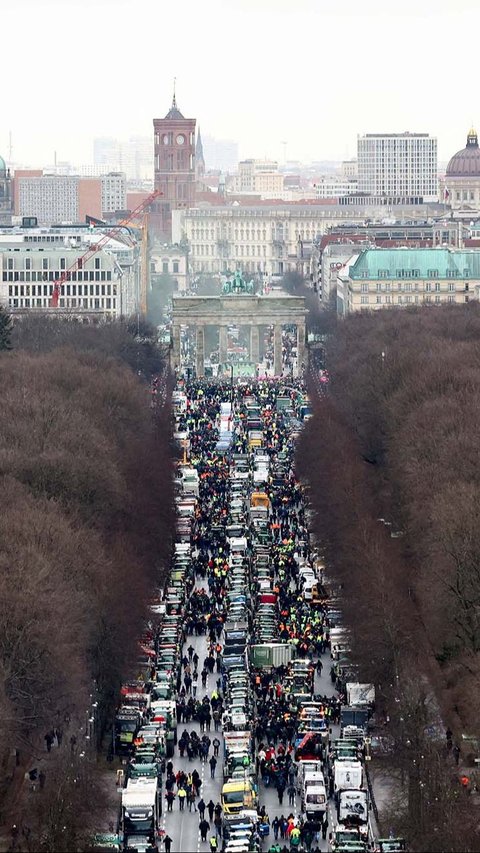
x=244 y=310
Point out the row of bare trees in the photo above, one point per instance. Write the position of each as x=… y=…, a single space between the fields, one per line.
x=394 y=449
x=85 y=519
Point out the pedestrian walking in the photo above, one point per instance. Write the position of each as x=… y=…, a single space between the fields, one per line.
x=213 y=764
x=216 y=746
x=170 y=797
x=182 y=795
x=291 y=794
x=211 y=809
x=213 y=844
x=168 y=843
x=204 y=827
x=201 y=808
x=276 y=827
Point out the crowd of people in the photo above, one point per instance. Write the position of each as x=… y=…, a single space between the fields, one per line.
x=276 y=718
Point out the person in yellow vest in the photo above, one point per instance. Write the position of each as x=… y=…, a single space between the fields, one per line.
x=182 y=795
x=295 y=837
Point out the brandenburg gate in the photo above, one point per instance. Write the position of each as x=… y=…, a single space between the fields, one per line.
x=240 y=306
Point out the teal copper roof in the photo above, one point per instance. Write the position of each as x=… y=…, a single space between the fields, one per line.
x=416 y=263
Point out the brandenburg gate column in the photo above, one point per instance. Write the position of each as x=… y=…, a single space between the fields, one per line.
x=200 y=351
x=254 y=344
x=223 y=344
x=300 y=346
x=277 y=349
x=176 y=359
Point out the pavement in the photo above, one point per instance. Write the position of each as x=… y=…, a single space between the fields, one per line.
x=182 y=827
x=269 y=796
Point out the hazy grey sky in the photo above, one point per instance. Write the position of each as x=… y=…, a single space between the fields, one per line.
x=309 y=72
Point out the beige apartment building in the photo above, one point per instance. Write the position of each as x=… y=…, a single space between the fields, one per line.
x=399 y=278
x=257 y=176
x=263 y=238
x=170 y=260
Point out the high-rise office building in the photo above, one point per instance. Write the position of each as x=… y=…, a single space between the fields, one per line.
x=220 y=154
x=68 y=198
x=399 y=166
x=6 y=205
x=134 y=156
x=106 y=149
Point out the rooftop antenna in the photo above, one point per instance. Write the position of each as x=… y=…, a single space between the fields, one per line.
x=10 y=147
x=174 y=102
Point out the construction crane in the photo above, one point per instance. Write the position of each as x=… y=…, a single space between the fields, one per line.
x=94 y=248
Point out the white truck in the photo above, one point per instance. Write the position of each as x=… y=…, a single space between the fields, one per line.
x=352 y=809
x=347 y=774
x=179 y=400
x=339 y=642
x=190 y=480
x=360 y=694
x=238 y=544
x=304 y=767
x=141 y=809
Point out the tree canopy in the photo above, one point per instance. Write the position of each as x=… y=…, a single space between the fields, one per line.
x=85 y=519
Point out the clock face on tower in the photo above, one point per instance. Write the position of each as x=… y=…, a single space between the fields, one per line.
x=180 y=139
x=165 y=139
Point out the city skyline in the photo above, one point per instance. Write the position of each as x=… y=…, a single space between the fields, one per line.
x=342 y=75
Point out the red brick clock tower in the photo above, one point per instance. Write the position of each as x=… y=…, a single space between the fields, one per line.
x=174 y=152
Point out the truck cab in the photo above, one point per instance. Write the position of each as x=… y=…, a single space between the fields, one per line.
x=352 y=810
x=141 y=808
x=347 y=774
x=237 y=795
x=127 y=724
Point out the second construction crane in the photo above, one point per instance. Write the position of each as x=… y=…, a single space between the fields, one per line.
x=107 y=236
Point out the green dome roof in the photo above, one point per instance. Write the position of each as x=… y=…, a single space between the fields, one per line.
x=3 y=165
